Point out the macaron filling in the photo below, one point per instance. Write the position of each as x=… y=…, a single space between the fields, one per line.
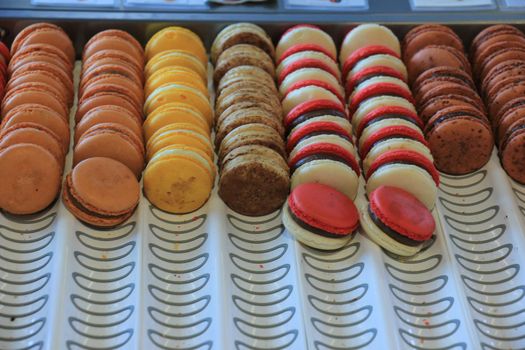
x=315 y=230
x=431 y=126
x=323 y=151
x=313 y=114
x=398 y=237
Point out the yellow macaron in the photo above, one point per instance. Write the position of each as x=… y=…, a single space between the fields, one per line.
x=179 y=179
x=179 y=93
x=176 y=58
x=176 y=38
x=174 y=112
x=175 y=74
x=179 y=133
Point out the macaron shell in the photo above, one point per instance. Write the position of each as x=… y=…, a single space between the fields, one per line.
x=309 y=74
x=184 y=137
x=31 y=95
x=30 y=178
x=433 y=56
x=384 y=125
x=371 y=104
x=175 y=75
x=512 y=157
x=368 y=34
x=305 y=35
x=107 y=41
x=174 y=113
x=176 y=38
x=175 y=58
x=306 y=55
x=104 y=99
x=167 y=185
x=379 y=60
x=308 y=93
x=51 y=36
x=328 y=172
x=407 y=177
x=363 y=53
x=460 y=145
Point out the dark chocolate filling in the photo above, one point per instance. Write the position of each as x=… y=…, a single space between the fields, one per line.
x=304 y=117
x=396 y=236
x=324 y=132
x=369 y=76
x=85 y=210
x=451 y=115
x=508 y=136
x=319 y=156
x=389 y=116
x=312 y=229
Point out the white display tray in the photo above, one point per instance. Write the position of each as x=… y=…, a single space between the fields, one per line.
x=218 y=280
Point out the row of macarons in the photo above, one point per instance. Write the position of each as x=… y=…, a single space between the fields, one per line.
x=34 y=137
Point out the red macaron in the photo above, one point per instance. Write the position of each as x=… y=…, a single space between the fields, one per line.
x=327 y=150
x=401 y=215
x=363 y=53
x=306 y=63
x=378 y=89
x=370 y=72
x=304 y=47
x=324 y=85
x=386 y=112
x=329 y=212
x=315 y=128
x=404 y=157
x=311 y=106
x=398 y=131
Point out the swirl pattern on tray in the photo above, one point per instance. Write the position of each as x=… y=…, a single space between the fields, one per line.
x=103 y=288
x=265 y=315
x=178 y=312
x=488 y=262
x=423 y=303
x=337 y=304
x=26 y=266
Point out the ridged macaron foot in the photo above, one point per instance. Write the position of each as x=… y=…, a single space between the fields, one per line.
x=101 y=192
x=179 y=179
x=397 y=221
x=320 y=216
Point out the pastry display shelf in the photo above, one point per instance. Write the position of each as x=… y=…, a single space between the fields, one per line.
x=214 y=279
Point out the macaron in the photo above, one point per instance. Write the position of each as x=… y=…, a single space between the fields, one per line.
x=424 y=35
x=387 y=62
x=460 y=139
x=387 y=112
x=437 y=103
x=316 y=126
x=175 y=75
x=41 y=115
x=397 y=221
x=511 y=151
x=513 y=111
x=44 y=33
x=179 y=93
x=367 y=35
x=313 y=108
x=510 y=91
x=241 y=33
x=108 y=66
x=175 y=58
x=174 y=112
x=307 y=93
x=435 y=56
x=363 y=53
x=242 y=55
x=30 y=178
x=254 y=180
x=307 y=58
x=405 y=169
x=113 y=83
x=305 y=47
x=114 y=39
x=327 y=159
x=371 y=72
x=34 y=93
x=4 y=53
x=105 y=98
x=309 y=74
x=108 y=114
x=111 y=140
x=376 y=102
x=40 y=53
x=33 y=133
x=181 y=134
x=251 y=134
x=179 y=179
x=101 y=192
x=178 y=38
x=492 y=31
x=252 y=97
x=245 y=74
x=305 y=34
x=112 y=56
x=320 y=217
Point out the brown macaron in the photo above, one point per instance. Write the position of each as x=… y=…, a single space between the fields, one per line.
x=38 y=93
x=429 y=34
x=254 y=180
x=507 y=93
x=108 y=114
x=508 y=115
x=30 y=178
x=242 y=55
x=512 y=68
x=437 y=103
x=253 y=96
x=114 y=39
x=101 y=192
x=512 y=151
x=114 y=141
x=460 y=139
x=447 y=88
x=435 y=56
x=42 y=115
x=246 y=73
